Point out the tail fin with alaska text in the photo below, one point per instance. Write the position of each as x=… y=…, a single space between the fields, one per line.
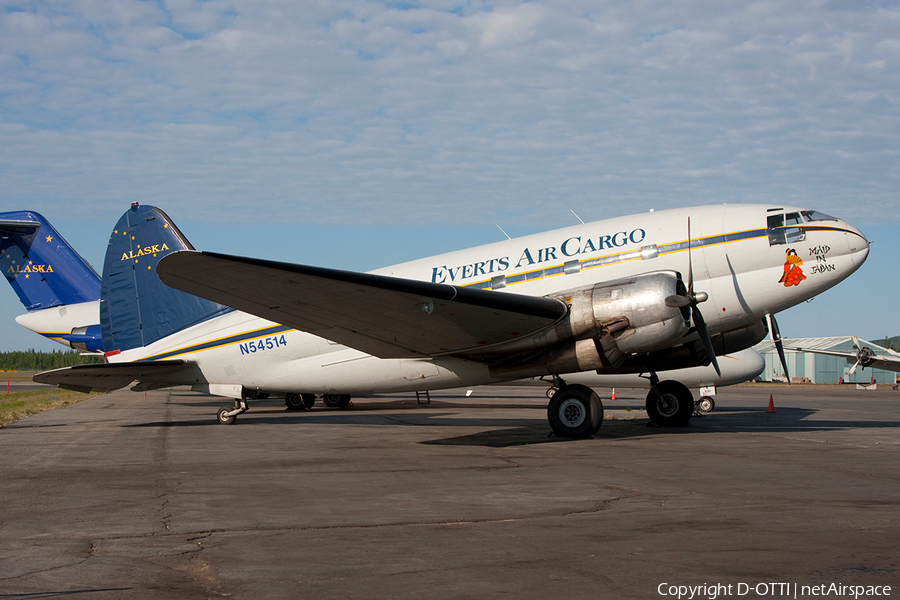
x=40 y=266
x=136 y=308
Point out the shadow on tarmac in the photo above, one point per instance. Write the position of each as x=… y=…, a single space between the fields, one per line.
x=523 y=431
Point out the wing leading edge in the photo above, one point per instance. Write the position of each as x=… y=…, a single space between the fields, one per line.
x=384 y=316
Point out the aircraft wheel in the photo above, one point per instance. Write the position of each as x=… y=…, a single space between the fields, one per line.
x=309 y=400
x=575 y=411
x=672 y=407
x=707 y=404
x=223 y=418
x=294 y=402
x=336 y=400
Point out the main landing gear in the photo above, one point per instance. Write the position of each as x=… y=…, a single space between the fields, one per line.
x=669 y=403
x=299 y=401
x=575 y=411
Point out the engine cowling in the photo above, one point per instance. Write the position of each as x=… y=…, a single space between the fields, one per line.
x=607 y=323
x=631 y=312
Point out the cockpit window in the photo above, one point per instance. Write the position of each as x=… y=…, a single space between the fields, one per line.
x=774 y=229
x=783 y=229
x=814 y=215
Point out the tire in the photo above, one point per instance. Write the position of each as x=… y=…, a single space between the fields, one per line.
x=294 y=401
x=223 y=420
x=707 y=404
x=673 y=408
x=575 y=411
x=336 y=400
x=309 y=400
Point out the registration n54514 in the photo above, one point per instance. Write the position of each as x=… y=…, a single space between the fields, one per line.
x=269 y=343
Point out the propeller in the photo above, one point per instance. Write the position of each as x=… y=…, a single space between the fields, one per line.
x=864 y=356
x=776 y=338
x=692 y=299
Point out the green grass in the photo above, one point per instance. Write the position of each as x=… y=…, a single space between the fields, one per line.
x=19 y=405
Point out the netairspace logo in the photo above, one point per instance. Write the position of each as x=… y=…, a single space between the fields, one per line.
x=772 y=590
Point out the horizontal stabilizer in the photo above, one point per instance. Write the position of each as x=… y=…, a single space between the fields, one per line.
x=384 y=316
x=107 y=377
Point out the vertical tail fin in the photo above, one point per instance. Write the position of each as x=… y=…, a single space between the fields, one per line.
x=40 y=266
x=136 y=308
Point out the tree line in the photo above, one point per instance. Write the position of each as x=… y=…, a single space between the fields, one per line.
x=32 y=360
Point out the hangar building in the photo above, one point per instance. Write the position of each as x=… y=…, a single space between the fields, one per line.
x=821 y=368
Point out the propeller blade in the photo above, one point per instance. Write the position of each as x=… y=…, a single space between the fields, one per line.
x=677 y=301
x=853 y=368
x=776 y=337
x=690 y=285
x=703 y=332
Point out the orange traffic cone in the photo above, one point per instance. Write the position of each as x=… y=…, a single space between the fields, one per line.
x=771 y=408
x=614 y=395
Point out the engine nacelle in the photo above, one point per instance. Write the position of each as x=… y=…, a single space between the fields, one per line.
x=607 y=323
x=629 y=316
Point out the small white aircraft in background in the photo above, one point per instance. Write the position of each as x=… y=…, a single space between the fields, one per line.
x=607 y=296
x=863 y=356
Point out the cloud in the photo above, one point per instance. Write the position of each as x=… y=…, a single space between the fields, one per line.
x=357 y=111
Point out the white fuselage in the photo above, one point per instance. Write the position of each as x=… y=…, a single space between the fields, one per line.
x=743 y=270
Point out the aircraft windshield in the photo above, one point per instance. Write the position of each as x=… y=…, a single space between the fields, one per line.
x=814 y=215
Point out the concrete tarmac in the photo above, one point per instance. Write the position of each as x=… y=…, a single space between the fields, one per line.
x=123 y=496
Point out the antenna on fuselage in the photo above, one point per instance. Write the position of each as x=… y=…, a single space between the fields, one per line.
x=576 y=216
x=504 y=233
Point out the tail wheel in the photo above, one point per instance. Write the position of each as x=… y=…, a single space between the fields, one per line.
x=707 y=404
x=670 y=404
x=575 y=411
x=222 y=417
x=336 y=400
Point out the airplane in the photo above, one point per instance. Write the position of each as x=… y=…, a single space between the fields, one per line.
x=607 y=296
x=74 y=320
x=59 y=289
x=864 y=356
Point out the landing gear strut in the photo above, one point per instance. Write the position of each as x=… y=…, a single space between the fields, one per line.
x=669 y=403
x=227 y=415
x=575 y=411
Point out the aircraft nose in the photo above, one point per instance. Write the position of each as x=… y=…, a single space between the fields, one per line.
x=859 y=245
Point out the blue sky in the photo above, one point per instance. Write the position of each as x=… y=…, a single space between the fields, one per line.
x=358 y=134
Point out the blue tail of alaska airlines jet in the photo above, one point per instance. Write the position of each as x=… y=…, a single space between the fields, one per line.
x=58 y=288
x=136 y=308
x=40 y=266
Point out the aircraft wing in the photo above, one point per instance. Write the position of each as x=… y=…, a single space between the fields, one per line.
x=865 y=357
x=384 y=316
x=108 y=376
